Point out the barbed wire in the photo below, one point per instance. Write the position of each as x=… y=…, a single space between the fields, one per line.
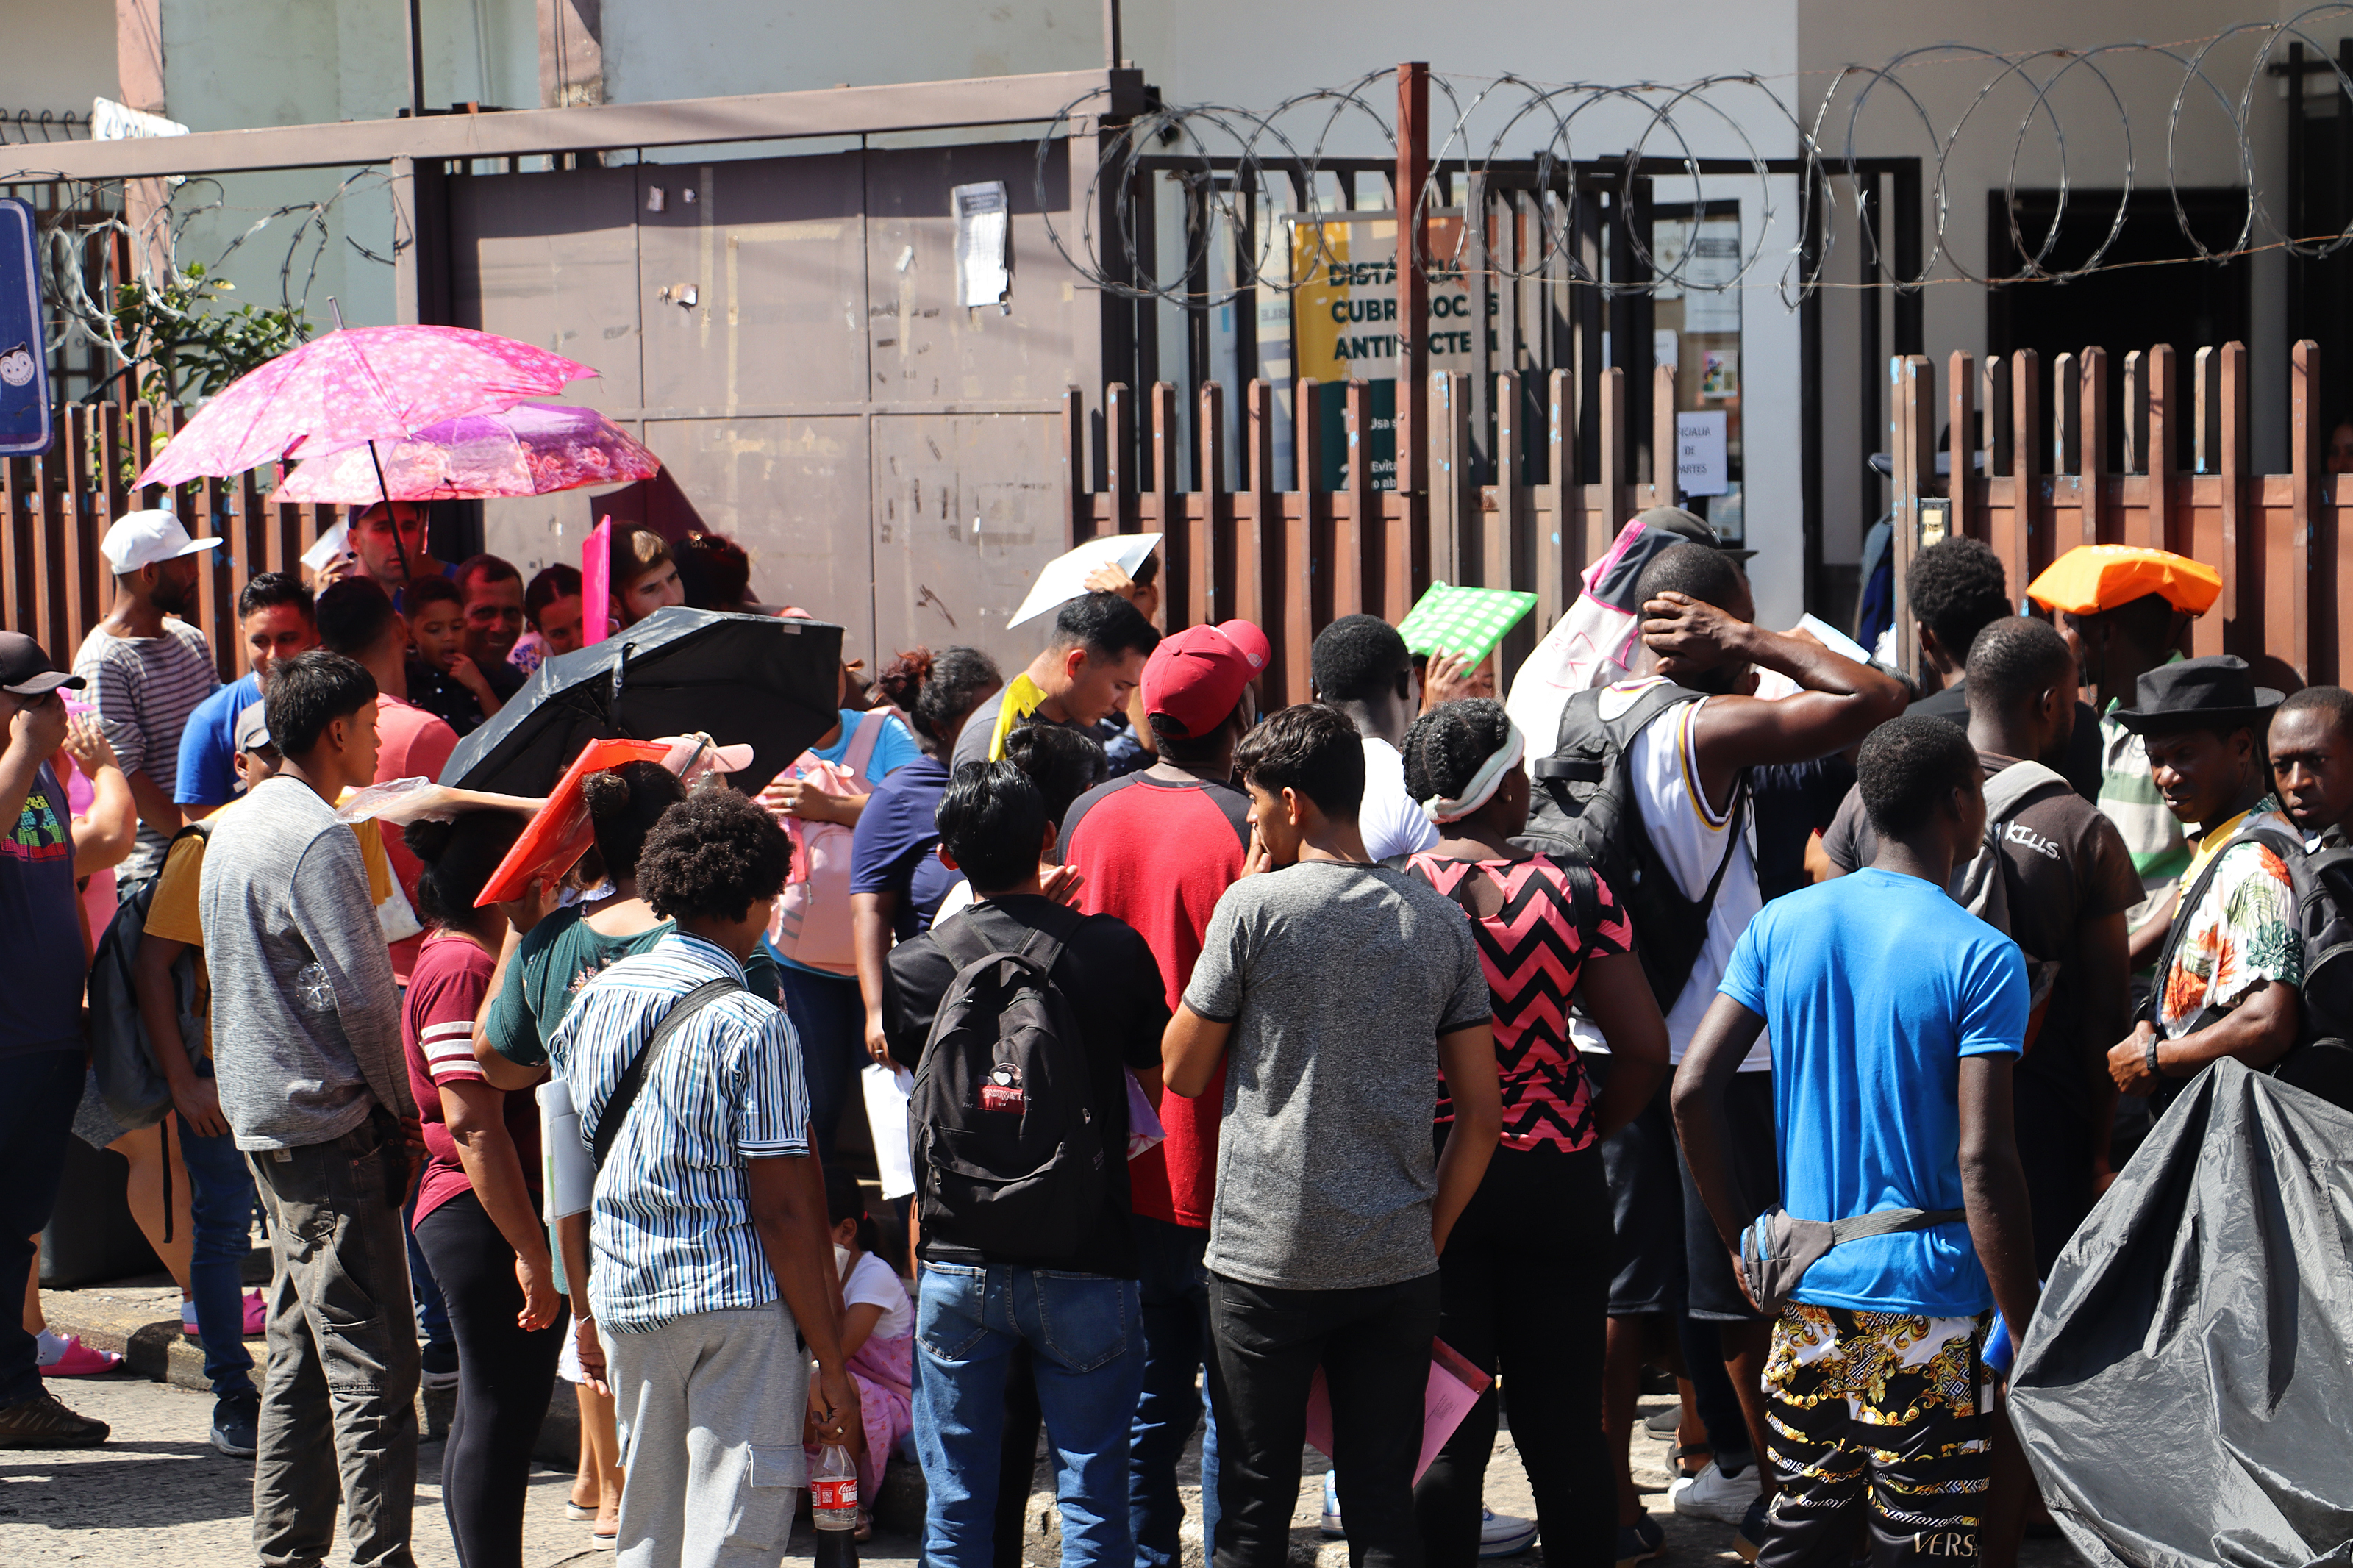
x=1537 y=132
x=75 y=282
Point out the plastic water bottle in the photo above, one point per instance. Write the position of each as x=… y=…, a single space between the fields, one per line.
x=833 y=1499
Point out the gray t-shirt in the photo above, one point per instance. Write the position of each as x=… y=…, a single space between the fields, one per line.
x=306 y=1017
x=144 y=689
x=971 y=744
x=1338 y=980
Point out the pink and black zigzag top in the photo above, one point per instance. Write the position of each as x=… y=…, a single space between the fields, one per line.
x=1532 y=951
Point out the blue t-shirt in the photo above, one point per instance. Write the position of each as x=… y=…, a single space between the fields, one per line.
x=207 y=775
x=1873 y=986
x=894 y=748
x=892 y=852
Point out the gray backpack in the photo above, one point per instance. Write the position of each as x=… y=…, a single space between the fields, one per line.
x=1982 y=886
x=130 y=1081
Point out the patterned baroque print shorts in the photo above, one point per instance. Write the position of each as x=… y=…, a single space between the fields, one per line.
x=1883 y=1405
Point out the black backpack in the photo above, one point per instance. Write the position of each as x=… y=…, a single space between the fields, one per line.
x=129 y=1081
x=1009 y=1159
x=1589 y=810
x=2321 y=1060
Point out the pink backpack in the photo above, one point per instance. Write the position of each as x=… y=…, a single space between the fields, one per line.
x=812 y=920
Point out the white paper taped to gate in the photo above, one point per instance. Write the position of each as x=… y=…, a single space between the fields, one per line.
x=982 y=217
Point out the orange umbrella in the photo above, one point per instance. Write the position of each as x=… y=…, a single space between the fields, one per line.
x=2090 y=578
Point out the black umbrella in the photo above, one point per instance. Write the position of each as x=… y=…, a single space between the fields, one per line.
x=757 y=680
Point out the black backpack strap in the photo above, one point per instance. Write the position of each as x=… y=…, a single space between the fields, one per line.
x=1706 y=902
x=2272 y=839
x=633 y=1076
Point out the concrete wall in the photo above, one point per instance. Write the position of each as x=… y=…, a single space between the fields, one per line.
x=235 y=63
x=60 y=55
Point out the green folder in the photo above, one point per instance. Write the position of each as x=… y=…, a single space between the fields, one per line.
x=1468 y=621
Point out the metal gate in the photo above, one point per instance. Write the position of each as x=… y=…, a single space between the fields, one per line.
x=783 y=333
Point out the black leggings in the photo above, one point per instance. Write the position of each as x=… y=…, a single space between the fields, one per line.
x=1524 y=1291
x=505 y=1375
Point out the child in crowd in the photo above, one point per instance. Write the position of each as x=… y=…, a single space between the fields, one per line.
x=645 y=575
x=878 y=1337
x=551 y=605
x=441 y=679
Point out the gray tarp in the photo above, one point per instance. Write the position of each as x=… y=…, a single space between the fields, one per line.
x=2186 y=1393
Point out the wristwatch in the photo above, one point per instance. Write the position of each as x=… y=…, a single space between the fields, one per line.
x=2151 y=1059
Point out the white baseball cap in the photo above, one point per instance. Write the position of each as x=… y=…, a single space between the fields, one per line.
x=144 y=538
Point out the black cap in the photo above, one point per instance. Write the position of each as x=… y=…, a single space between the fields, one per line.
x=1690 y=525
x=25 y=669
x=2214 y=692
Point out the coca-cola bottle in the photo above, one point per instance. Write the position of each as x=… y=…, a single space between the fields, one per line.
x=833 y=1499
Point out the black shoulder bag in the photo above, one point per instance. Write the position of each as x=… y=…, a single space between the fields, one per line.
x=633 y=1077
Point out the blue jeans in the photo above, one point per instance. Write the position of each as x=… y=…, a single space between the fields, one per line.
x=829 y=1019
x=1082 y=1333
x=432 y=1316
x=1176 y=1291
x=38 y=1092
x=220 y=1207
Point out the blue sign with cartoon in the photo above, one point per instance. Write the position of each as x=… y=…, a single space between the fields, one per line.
x=24 y=418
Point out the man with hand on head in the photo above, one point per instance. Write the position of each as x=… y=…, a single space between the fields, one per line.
x=1087 y=668
x=1361 y=668
x=1893 y=1084
x=147 y=670
x=313 y=1082
x=276 y=619
x=1332 y=991
x=1158 y=848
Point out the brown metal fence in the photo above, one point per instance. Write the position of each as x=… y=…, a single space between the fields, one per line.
x=54 y=586
x=2185 y=484
x=1294 y=559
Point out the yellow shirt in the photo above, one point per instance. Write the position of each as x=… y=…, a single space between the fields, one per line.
x=172 y=913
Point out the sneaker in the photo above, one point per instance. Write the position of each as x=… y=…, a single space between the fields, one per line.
x=1751 y=1539
x=1640 y=1542
x=78 y=1360
x=1716 y=1493
x=235 y=1418
x=440 y=1364
x=257 y=1314
x=41 y=1422
x=1331 y=1530
x=1663 y=1424
x=188 y=1319
x=1501 y=1535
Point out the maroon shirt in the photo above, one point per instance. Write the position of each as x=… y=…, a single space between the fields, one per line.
x=436 y=1032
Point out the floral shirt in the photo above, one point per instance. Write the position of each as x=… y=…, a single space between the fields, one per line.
x=2242 y=933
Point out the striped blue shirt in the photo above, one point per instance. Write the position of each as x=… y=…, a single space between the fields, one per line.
x=671 y=1225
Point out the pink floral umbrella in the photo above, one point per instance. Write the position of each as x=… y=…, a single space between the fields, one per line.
x=531 y=449
x=356 y=385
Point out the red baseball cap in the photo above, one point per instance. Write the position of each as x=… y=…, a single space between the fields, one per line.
x=1197 y=676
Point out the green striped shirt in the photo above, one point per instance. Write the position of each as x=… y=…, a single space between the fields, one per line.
x=2129 y=798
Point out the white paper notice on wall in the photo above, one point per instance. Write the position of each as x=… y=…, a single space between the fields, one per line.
x=981 y=230
x=1700 y=466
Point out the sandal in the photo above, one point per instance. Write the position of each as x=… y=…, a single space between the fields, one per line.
x=1681 y=1451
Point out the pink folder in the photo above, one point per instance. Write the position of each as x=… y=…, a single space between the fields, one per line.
x=1455 y=1386
x=596 y=582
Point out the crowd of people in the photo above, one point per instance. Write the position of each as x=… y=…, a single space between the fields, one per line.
x=1215 y=1064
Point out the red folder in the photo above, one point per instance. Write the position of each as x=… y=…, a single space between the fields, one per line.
x=559 y=833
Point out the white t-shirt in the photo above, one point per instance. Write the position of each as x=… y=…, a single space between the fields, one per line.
x=871 y=1281
x=1392 y=822
x=1690 y=837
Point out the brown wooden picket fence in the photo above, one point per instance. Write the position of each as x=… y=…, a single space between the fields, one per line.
x=54 y=586
x=2184 y=486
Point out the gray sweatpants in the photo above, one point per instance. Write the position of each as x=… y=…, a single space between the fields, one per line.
x=339 y=1405
x=711 y=1410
